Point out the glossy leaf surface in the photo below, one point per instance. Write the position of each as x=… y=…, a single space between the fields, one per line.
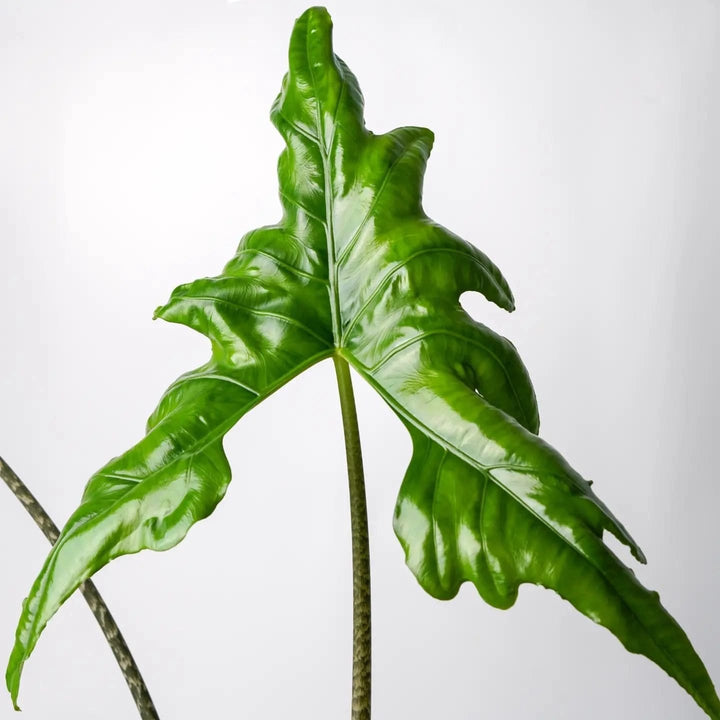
x=355 y=267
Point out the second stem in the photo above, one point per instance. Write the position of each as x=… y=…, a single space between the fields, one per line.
x=361 y=675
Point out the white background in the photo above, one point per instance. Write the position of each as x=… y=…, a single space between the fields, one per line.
x=577 y=145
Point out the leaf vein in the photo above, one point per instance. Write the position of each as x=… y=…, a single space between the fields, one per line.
x=282 y=263
x=397 y=267
x=255 y=311
x=300 y=206
x=353 y=240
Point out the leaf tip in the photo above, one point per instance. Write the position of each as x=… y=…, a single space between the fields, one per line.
x=315 y=14
x=311 y=43
x=313 y=27
x=12 y=681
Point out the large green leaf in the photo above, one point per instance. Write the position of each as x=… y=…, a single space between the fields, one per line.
x=356 y=268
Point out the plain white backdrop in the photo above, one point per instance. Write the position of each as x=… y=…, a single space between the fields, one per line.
x=577 y=144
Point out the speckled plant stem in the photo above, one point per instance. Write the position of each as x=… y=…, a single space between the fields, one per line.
x=361 y=675
x=117 y=643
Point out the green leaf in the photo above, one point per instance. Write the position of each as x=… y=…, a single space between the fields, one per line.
x=356 y=268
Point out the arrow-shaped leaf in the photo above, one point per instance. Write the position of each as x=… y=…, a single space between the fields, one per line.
x=356 y=268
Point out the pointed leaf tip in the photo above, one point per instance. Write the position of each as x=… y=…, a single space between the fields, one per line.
x=161 y=311
x=12 y=681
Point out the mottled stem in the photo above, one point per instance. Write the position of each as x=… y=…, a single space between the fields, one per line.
x=99 y=609
x=361 y=675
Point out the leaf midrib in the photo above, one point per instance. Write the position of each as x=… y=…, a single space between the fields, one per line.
x=327 y=178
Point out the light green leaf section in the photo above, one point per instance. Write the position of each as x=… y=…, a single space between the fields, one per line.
x=356 y=268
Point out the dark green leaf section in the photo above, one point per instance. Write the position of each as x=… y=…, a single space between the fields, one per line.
x=356 y=267
x=268 y=317
x=459 y=524
x=150 y=496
